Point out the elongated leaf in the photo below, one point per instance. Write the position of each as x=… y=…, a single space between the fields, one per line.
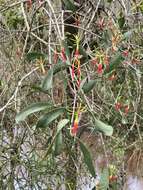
x=31 y=109
x=88 y=86
x=48 y=80
x=121 y=21
x=49 y=117
x=106 y=129
x=114 y=63
x=58 y=144
x=38 y=88
x=104 y=179
x=32 y=56
x=87 y=158
x=58 y=137
x=55 y=139
x=59 y=67
x=62 y=124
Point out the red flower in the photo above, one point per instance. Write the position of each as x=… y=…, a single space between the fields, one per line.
x=76 y=54
x=125 y=53
x=118 y=106
x=73 y=71
x=101 y=24
x=126 y=109
x=78 y=83
x=112 y=178
x=63 y=55
x=55 y=57
x=78 y=70
x=74 y=128
x=100 y=68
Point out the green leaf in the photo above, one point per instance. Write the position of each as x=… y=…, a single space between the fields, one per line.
x=58 y=144
x=48 y=81
x=88 y=86
x=58 y=138
x=104 y=179
x=32 y=56
x=38 y=88
x=117 y=59
x=59 y=67
x=35 y=107
x=87 y=158
x=49 y=117
x=69 y=5
x=62 y=124
x=106 y=129
x=121 y=21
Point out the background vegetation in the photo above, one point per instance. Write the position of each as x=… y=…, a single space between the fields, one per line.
x=70 y=92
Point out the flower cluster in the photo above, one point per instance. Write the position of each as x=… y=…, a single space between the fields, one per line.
x=101 y=61
x=124 y=107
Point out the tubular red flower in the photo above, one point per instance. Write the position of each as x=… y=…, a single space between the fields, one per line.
x=55 y=57
x=101 y=24
x=78 y=70
x=100 y=68
x=125 y=53
x=76 y=54
x=112 y=178
x=78 y=83
x=63 y=55
x=118 y=106
x=73 y=71
x=126 y=109
x=74 y=128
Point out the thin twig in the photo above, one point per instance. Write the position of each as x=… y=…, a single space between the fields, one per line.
x=16 y=90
